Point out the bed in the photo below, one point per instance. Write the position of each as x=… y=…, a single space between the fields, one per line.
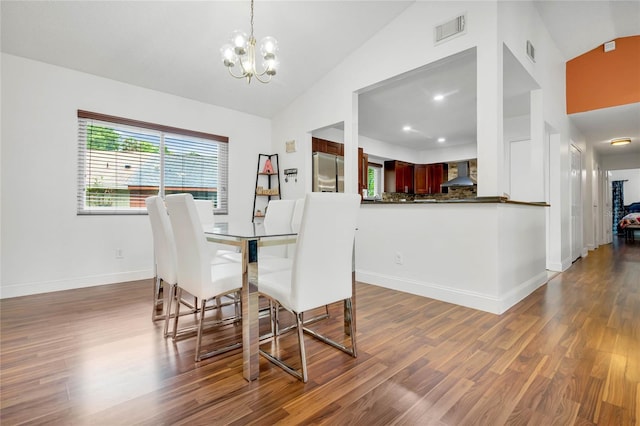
x=628 y=225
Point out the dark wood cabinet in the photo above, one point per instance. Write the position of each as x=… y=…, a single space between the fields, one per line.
x=323 y=145
x=430 y=177
x=398 y=176
x=363 y=171
x=436 y=175
x=420 y=179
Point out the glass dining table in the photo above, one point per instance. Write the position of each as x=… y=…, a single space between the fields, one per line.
x=249 y=237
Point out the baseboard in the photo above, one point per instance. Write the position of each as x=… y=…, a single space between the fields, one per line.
x=474 y=300
x=26 y=289
x=523 y=290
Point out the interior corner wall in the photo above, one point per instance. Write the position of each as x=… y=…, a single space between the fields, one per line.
x=519 y=23
x=45 y=245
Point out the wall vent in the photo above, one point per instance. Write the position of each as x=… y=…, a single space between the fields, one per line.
x=531 y=51
x=609 y=46
x=451 y=28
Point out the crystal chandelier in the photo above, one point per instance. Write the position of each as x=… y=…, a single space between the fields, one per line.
x=241 y=51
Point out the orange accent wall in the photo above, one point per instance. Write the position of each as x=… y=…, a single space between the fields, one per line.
x=598 y=80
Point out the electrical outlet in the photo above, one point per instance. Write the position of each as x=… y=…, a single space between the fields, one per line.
x=399 y=258
x=119 y=254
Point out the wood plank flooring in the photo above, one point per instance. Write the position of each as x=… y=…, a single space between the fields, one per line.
x=567 y=354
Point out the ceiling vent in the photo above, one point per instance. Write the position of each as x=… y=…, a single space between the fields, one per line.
x=531 y=51
x=451 y=28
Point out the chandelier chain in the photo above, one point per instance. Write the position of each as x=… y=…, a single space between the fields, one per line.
x=252 y=19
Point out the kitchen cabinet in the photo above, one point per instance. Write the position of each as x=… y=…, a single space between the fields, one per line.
x=329 y=147
x=429 y=177
x=398 y=176
x=437 y=174
x=420 y=179
x=363 y=171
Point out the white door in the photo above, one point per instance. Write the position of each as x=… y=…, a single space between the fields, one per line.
x=576 y=203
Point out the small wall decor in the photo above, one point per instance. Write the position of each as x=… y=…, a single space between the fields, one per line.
x=268 y=168
x=290 y=145
x=290 y=173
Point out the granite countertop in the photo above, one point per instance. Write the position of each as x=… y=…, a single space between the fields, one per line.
x=457 y=201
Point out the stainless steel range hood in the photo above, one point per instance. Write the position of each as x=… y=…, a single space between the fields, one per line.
x=463 y=178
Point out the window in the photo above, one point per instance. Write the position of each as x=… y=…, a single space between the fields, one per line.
x=121 y=162
x=374 y=180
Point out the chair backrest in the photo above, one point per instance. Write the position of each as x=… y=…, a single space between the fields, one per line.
x=296 y=218
x=193 y=257
x=322 y=263
x=278 y=216
x=279 y=212
x=163 y=243
x=205 y=212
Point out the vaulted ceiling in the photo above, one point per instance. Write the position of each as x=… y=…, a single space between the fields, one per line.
x=173 y=47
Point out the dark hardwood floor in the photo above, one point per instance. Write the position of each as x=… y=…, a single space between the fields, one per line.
x=567 y=354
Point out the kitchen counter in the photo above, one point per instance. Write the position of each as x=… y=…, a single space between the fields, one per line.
x=474 y=200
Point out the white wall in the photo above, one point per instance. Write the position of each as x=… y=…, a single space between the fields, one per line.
x=620 y=161
x=45 y=245
x=631 y=186
x=490 y=24
x=488 y=263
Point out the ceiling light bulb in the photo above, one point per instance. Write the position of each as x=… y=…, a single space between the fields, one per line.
x=441 y=140
x=229 y=57
x=407 y=128
x=620 y=141
x=240 y=41
x=438 y=97
x=268 y=47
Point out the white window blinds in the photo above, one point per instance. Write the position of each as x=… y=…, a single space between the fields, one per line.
x=121 y=162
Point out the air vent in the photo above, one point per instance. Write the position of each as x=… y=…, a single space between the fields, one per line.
x=610 y=46
x=449 y=29
x=531 y=51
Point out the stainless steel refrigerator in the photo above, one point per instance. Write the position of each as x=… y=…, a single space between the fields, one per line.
x=328 y=172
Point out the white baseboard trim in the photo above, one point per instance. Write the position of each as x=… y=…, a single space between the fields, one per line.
x=26 y=289
x=523 y=290
x=470 y=299
x=555 y=266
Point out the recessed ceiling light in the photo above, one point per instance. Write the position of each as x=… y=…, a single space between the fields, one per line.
x=438 y=97
x=441 y=140
x=407 y=128
x=620 y=141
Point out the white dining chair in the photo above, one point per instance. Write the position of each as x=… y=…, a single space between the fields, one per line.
x=196 y=274
x=321 y=270
x=164 y=256
x=279 y=214
x=272 y=258
x=207 y=219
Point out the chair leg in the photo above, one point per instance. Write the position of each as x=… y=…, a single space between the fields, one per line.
x=200 y=326
x=158 y=300
x=335 y=344
x=303 y=357
x=302 y=373
x=177 y=314
x=172 y=295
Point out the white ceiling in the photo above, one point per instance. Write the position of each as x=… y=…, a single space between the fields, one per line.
x=172 y=46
